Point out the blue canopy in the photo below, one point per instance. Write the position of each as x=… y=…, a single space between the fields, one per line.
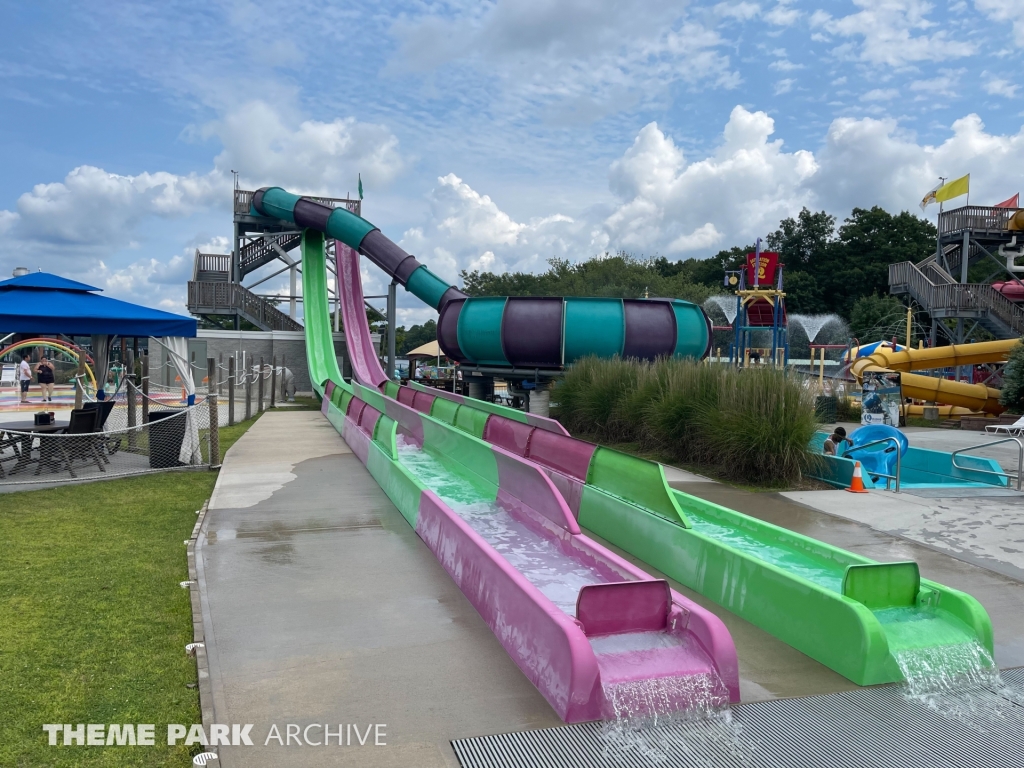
x=40 y=302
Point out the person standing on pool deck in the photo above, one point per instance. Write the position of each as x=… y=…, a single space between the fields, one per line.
x=24 y=376
x=44 y=370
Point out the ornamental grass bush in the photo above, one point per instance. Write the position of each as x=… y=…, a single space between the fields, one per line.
x=752 y=425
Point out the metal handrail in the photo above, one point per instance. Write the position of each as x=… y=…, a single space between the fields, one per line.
x=956 y=296
x=899 y=461
x=1007 y=475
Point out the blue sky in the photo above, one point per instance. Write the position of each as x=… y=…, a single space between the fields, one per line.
x=489 y=135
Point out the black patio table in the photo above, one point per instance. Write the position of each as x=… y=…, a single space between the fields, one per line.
x=29 y=429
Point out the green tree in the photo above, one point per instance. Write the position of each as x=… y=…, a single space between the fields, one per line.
x=804 y=243
x=1012 y=395
x=415 y=336
x=869 y=241
x=711 y=271
x=622 y=276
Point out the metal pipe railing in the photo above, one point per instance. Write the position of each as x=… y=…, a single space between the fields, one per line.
x=899 y=458
x=1007 y=475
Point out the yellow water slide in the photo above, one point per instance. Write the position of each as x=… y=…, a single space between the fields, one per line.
x=974 y=397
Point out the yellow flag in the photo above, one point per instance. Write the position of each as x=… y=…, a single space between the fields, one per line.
x=954 y=188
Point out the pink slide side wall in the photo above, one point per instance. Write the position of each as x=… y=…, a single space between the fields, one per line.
x=548 y=646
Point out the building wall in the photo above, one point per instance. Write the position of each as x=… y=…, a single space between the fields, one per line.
x=288 y=346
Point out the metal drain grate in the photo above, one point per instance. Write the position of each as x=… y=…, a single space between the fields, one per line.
x=865 y=728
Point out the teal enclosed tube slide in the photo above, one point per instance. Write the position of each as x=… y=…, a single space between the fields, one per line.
x=509 y=331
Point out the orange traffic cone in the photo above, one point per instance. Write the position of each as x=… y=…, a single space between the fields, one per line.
x=857 y=484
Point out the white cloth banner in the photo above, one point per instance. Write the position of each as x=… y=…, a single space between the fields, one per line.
x=177 y=351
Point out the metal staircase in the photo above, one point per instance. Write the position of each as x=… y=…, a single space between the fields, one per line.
x=257 y=253
x=211 y=292
x=941 y=296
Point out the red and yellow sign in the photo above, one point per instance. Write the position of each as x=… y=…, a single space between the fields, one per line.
x=767 y=263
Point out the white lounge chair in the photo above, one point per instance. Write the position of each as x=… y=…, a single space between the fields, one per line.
x=1016 y=429
x=9 y=376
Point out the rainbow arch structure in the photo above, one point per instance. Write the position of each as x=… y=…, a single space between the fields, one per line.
x=61 y=346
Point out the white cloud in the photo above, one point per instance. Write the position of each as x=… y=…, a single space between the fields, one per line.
x=93 y=210
x=92 y=207
x=946 y=84
x=784 y=65
x=880 y=94
x=1003 y=11
x=573 y=61
x=740 y=11
x=98 y=226
x=700 y=239
x=871 y=162
x=999 y=87
x=784 y=86
x=668 y=204
x=267 y=146
x=892 y=33
x=782 y=15
x=467 y=230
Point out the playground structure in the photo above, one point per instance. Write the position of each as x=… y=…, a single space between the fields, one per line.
x=440 y=456
x=760 y=307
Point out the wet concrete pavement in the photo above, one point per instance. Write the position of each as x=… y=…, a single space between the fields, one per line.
x=323 y=606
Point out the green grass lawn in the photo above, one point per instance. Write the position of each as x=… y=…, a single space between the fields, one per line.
x=93 y=622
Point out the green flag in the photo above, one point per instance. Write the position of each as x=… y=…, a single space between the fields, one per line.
x=360 y=186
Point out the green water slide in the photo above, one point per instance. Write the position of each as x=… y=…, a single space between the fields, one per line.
x=855 y=615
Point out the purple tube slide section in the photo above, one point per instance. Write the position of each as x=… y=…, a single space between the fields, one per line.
x=365 y=365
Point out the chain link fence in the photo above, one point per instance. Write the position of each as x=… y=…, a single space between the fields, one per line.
x=131 y=434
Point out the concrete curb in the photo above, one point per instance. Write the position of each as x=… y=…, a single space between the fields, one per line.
x=198 y=629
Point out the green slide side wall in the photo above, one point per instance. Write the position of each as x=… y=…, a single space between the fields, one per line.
x=634 y=480
x=473 y=404
x=465 y=454
x=593 y=327
x=466 y=419
x=323 y=364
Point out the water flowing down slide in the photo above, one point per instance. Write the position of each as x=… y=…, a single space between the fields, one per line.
x=866 y=620
x=597 y=636
x=976 y=397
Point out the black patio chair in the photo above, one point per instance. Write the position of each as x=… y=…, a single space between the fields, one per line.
x=14 y=442
x=109 y=445
x=60 y=452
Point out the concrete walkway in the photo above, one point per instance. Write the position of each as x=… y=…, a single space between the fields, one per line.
x=321 y=605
